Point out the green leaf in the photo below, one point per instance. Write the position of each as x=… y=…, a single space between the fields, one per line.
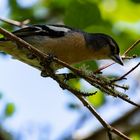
x=135 y=136
x=97 y=100
x=74 y=83
x=9 y=109
x=1 y=95
x=81 y=14
x=120 y=10
x=107 y=29
x=58 y=4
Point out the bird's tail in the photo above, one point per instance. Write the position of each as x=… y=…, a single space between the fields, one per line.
x=8 y=46
x=20 y=54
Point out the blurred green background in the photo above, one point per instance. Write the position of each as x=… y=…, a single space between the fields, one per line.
x=118 y=18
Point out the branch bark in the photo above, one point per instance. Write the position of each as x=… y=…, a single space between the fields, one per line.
x=100 y=82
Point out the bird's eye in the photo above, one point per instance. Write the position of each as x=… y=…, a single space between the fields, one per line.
x=114 y=47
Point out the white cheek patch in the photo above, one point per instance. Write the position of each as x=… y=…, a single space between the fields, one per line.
x=63 y=29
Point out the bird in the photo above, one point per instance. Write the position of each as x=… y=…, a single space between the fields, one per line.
x=68 y=44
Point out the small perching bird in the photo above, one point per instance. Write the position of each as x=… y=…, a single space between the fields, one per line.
x=68 y=44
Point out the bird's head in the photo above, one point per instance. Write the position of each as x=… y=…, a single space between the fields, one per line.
x=104 y=46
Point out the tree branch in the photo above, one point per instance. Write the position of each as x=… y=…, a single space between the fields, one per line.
x=15 y=23
x=100 y=82
x=131 y=47
x=123 y=76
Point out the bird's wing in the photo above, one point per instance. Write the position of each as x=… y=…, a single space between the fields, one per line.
x=53 y=31
x=10 y=47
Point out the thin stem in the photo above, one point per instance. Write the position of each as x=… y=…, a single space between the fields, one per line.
x=103 y=122
x=104 y=67
x=15 y=23
x=131 y=47
x=125 y=87
x=123 y=76
x=109 y=135
x=97 y=82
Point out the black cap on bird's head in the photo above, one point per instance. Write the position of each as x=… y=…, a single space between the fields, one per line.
x=106 y=46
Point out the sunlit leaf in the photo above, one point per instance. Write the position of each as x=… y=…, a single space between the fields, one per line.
x=58 y=3
x=97 y=100
x=81 y=14
x=9 y=109
x=74 y=83
x=135 y=136
x=119 y=10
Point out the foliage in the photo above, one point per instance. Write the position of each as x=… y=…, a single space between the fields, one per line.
x=8 y=111
x=115 y=17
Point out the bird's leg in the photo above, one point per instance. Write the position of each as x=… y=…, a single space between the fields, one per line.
x=68 y=76
x=47 y=71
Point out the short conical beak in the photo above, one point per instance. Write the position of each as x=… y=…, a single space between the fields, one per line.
x=117 y=59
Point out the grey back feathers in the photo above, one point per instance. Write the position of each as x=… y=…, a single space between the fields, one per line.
x=53 y=31
x=96 y=40
x=65 y=43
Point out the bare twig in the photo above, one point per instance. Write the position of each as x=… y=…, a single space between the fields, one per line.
x=104 y=67
x=129 y=101
x=131 y=47
x=123 y=76
x=93 y=80
x=104 y=123
x=125 y=87
x=15 y=23
x=100 y=83
x=128 y=57
x=97 y=83
x=109 y=135
x=123 y=122
x=87 y=105
x=90 y=107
